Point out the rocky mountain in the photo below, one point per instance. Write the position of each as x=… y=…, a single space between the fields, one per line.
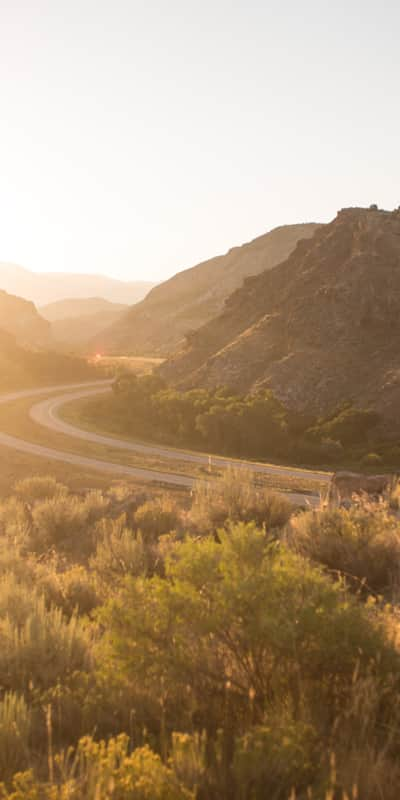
x=20 y=318
x=193 y=297
x=47 y=287
x=318 y=329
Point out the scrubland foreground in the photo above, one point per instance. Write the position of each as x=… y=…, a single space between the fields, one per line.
x=228 y=650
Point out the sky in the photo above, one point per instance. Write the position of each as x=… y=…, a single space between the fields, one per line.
x=138 y=138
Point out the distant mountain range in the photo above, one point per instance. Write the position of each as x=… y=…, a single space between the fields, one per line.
x=74 y=322
x=74 y=308
x=193 y=297
x=320 y=328
x=47 y=287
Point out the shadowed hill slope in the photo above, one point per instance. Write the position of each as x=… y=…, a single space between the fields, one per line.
x=21 y=319
x=22 y=368
x=318 y=329
x=193 y=297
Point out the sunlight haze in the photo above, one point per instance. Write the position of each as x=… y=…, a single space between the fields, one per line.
x=140 y=138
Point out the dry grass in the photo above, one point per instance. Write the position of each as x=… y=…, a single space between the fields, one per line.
x=133 y=364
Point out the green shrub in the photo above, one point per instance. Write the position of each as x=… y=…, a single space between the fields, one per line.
x=188 y=758
x=31 y=575
x=241 y=613
x=15 y=522
x=39 y=488
x=102 y=771
x=235 y=497
x=16 y=599
x=361 y=543
x=38 y=646
x=15 y=732
x=140 y=775
x=13 y=561
x=79 y=704
x=156 y=518
x=78 y=591
x=119 y=552
x=271 y=760
x=366 y=739
x=66 y=523
x=349 y=425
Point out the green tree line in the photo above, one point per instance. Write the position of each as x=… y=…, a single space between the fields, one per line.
x=256 y=426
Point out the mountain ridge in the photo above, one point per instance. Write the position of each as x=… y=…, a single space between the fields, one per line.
x=44 y=288
x=194 y=295
x=319 y=328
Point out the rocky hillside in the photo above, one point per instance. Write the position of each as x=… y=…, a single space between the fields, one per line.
x=21 y=319
x=193 y=297
x=320 y=328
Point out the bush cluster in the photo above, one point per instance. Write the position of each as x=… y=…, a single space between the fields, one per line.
x=253 y=426
x=233 y=649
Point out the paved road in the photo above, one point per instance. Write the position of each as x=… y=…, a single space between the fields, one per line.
x=49 y=453
x=45 y=413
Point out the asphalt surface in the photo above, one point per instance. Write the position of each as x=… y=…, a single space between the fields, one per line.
x=45 y=414
x=49 y=453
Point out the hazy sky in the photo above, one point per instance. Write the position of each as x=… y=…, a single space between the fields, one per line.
x=139 y=137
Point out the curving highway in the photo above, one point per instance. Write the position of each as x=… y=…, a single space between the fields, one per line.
x=45 y=413
x=49 y=453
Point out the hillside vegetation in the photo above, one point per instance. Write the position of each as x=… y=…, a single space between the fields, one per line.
x=254 y=426
x=224 y=650
x=319 y=329
x=194 y=296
